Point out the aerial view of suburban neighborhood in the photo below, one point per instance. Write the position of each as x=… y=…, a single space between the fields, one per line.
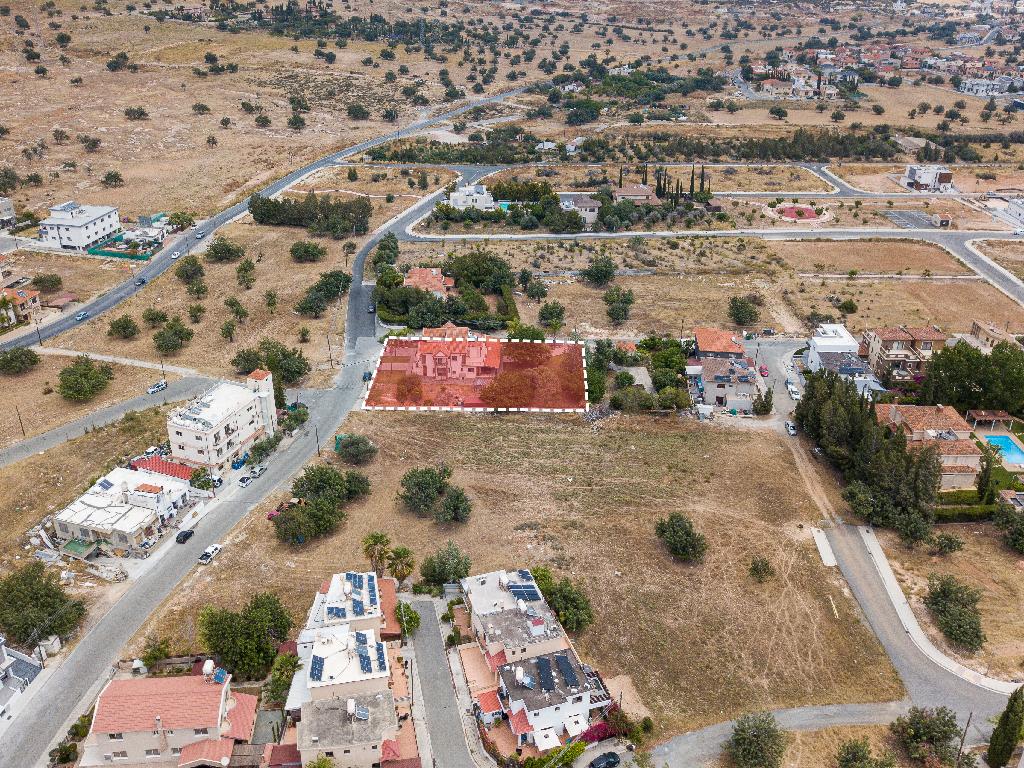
x=511 y=384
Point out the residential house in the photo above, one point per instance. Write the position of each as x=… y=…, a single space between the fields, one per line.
x=431 y=280
x=638 y=193
x=17 y=305
x=829 y=337
x=79 y=227
x=586 y=206
x=728 y=382
x=17 y=671
x=471 y=196
x=541 y=687
x=714 y=342
x=7 y=215
x=123 y=512
x=574 y=146
x=168 y=721
x=1015 y=209
x=928 y=178
x=901 y=354
x=471 y=361
x=980 y=86
x=217 y=428
x=851 y=367
x=984 y=336
x=940 y=427
x=545 y=146
x=343 y=697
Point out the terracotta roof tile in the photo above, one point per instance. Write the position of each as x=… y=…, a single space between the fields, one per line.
x=162 y=466
x=519 y=723
x=892 y=334
x=259 y=374
x=429 y=279
x=206 y=752
x=282 y=756
x=180 y=702
x=242 y=716
x=926 y=334
x=489 y=701
x=716 y=340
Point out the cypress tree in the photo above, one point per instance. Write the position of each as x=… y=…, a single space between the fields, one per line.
x=1007 y=731
x=702 y=178
x=693 y=170
x=620 y=177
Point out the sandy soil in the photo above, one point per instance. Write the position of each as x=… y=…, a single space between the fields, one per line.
x=84 y=276
x=1007 y=253
x=584 y=500
x=868 y=256
x=44 y=484
x=985 y=563
x=878 y=177
x=41 y=407
x=208 y=351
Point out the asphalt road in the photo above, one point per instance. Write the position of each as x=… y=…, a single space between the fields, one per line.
x=180 y=389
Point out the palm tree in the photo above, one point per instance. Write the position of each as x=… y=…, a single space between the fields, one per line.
x=401 y=563
x=377 y=547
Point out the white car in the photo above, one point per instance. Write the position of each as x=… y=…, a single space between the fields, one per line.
x=200 y=235
x=245 y=481
x=209 y=553
x=791 y=428
x=175 y=255
x=160 y=386
x=257 y=471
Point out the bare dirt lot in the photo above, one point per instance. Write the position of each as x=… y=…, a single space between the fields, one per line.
x=33 y=396
x=868 y=257
x=987 y=564
x=584 y=500
x=879 y=177
x=208 y=351
x=83 y=276
x=949 y=304
x=44 y=484
x=1007 y=253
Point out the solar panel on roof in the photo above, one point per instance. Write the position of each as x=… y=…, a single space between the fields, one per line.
x=357 y=607
x=360 y=638
x=335 y=612
x=381 y=658
x=568 y=673
x=364 y=664
x=105 y=484
x=220 y=675
x=316 y=668
x=526 y=592
x=525 y=574
x=362 y=713
x=547 y=680
x=528 y=682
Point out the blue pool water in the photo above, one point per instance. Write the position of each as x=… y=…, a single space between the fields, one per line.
x=1009 y=450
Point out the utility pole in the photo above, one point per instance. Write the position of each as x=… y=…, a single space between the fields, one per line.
x=20 y=422
x=163 y=373
x=316 y=432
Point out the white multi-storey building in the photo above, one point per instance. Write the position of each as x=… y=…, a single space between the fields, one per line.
x=217 y=428
x=830 y=337
x=79 y=227
x=471 y=196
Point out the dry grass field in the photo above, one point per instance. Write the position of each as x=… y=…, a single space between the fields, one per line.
x=41 y=407
x=733 y=178
x=817 y=749
x=43 y=484
x=949 y=304
x=879 y=177
x=208 y=351
x=1007 y=253
x=985 y=563
x=702 y=643
x=868 y=256
x=83 y=276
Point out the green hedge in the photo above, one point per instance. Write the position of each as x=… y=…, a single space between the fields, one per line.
x=964 y=514
x=510 y=312
x=390 y=318
x=965 y=497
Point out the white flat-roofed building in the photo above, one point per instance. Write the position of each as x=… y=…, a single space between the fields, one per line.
x=343 y=662
x=79 y=227
x=928 y=178
x=351 y=598
x=217 y=428
x=471 y=196
x=7 y=215
x=125 y=508
x=829 y=337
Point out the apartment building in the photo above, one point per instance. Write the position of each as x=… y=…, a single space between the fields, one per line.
x=79 y=227
x=984 y=336
x=901 y=354
x=168 y=721
x=218 y=427
x=348 y=697
x=471 y=196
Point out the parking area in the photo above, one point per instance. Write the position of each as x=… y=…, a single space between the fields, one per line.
x=910 y=219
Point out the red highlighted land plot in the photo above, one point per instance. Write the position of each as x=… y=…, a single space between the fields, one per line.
x=479 y=374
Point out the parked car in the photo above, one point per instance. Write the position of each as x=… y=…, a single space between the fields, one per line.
x=209 y=553
x=218 y=481
x=160 y=386
x=245 y=481
x=140 y=281
x=81 y=315
x=200 y=235
x=607 y=760
x=371 y=308
x=153 y=450
x=763 y=370
x=175 y=255
x=257 y=471
x=791 y=428
x=184 y=535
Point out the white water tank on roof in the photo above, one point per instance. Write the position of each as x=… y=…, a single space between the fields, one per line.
x=350 y=707
x=208 y=667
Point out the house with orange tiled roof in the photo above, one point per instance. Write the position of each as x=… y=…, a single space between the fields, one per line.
x=17 y=305
x=471 y=361
x=168 y=721
x=941 y=427
x=714 y=342
x=431 y=280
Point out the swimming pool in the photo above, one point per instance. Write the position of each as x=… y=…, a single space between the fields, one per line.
x=1009 y=449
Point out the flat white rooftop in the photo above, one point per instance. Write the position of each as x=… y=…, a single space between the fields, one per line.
x=340 y=655
x=346 y=597
x=73 y=214
x=214 y=407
